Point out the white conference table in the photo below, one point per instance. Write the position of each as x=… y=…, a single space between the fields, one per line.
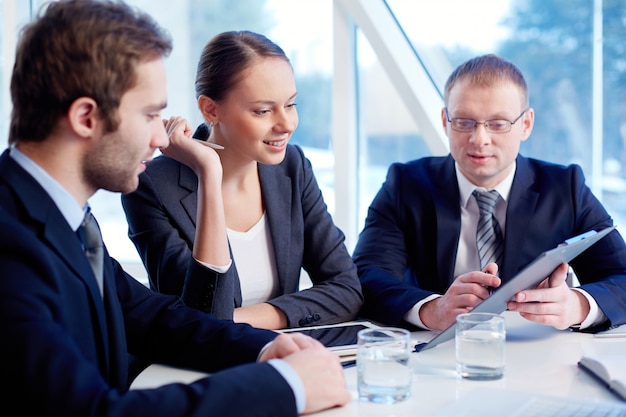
x=539 y=359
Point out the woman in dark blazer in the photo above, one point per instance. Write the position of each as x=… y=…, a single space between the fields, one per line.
x=230 y=230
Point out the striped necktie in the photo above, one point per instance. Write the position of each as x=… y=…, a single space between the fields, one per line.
x=488 y=234
x=89 y=234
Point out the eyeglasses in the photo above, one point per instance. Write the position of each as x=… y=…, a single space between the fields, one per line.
x=491 y=126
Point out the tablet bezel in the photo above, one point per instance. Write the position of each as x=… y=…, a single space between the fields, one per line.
x=345 y=351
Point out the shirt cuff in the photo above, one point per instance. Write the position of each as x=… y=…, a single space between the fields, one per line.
x=413 y=315
x=216 y=268
x=595 y=316
x=294 y=381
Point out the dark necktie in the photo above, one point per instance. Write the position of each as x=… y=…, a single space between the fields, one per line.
x=89 y=234
x=488 y=234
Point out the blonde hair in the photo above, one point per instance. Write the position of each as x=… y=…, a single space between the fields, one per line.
x=487 y=70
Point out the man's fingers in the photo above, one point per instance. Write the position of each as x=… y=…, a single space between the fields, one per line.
x=480 y=278
x=541 y=293
x=559 y=276
x=491 y=268
x=303 y=341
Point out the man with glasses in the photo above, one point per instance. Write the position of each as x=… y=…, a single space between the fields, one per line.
x=442 y=232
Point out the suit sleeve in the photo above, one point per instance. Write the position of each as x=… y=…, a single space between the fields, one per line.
x=381 y=255
x=601 y=269
x=163 y=234
x=60 y=362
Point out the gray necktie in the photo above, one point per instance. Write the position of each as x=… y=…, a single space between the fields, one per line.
x=89 y=234
x=488 y=234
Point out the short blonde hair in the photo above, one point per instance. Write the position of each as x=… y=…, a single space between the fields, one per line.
x=487 y=70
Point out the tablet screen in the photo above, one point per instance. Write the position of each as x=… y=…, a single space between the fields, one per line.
x=334 y=336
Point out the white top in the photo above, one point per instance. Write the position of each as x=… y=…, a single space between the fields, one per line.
x=256 y=265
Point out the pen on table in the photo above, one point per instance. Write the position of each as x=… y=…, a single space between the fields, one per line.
x=348 y=364
x=610 y=335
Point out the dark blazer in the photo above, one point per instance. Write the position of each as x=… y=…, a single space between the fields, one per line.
x=65 y=350
x=161 y=215
x=407 y=249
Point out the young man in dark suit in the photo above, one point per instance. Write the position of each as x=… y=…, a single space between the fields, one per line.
x=88 y=88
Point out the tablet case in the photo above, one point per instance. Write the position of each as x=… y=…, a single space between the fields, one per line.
x=527 y=278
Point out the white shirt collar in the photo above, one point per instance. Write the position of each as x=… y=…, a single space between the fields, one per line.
x=69 y=207
x=466 y=188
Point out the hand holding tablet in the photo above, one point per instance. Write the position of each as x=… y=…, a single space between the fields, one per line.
x=528 y=278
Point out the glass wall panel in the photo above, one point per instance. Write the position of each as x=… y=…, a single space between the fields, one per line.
x=388 y=133
x=13 y=15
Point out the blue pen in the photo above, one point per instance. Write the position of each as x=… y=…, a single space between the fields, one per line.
x=349 y=364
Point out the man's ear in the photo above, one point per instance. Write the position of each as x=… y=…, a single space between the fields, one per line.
x=82 y=116
x=528 y=121
x=444 y=118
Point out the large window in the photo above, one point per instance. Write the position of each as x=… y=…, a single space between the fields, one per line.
x=571 y=51
x=302 y=28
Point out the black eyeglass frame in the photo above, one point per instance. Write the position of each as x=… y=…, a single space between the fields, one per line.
x=486 y=123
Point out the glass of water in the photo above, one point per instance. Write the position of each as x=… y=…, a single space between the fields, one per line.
x=480 y=340
x=384 y=374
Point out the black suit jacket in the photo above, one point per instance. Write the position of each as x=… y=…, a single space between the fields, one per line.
x=65 y=349
x=161 y=215
x=407 y=249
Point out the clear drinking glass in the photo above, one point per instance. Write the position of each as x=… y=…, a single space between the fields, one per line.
x=384 y=374
x=480 y=340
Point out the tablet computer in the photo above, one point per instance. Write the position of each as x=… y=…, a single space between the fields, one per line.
x=527 y=278
x=340 y=338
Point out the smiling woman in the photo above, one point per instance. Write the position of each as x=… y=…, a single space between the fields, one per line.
x=230 y=231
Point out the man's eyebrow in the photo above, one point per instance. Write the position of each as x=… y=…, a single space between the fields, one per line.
x=158 y=106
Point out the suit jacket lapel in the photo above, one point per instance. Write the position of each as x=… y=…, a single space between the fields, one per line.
x=448 y=218
x=522 y=202
x=521 y=206
x=188 y=193
x=63 y=240
x=276 y=190
x=57 y=234
x=116 y=331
